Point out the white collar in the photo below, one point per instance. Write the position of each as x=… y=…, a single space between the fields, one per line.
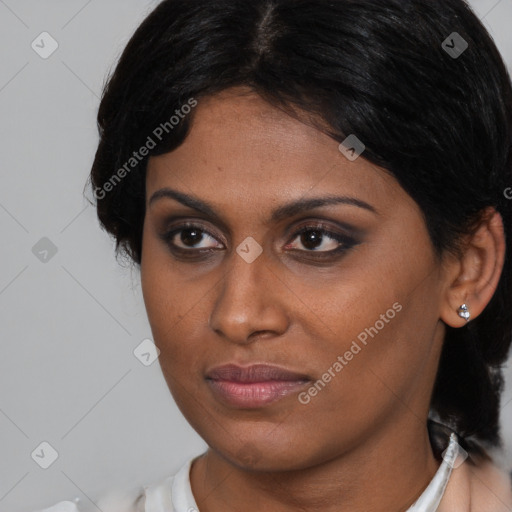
x=432 y=495
x=175 y=493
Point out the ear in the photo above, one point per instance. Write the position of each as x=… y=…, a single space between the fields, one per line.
x=473 y=276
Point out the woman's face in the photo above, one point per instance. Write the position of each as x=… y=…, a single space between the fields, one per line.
x=342 y=296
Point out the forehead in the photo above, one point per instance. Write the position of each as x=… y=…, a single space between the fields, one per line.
x=240 y=149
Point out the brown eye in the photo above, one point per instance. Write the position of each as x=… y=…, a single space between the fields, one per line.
x=317 y=238
x=190 y=237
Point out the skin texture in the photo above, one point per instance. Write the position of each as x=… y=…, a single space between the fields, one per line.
x=366 y=429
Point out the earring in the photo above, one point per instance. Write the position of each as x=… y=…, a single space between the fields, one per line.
x=463 y=312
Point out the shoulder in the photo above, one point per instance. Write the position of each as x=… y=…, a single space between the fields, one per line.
x=490 y=487
x=122 y=500
x=478 y=486
x=157 y=497
x=115 y=500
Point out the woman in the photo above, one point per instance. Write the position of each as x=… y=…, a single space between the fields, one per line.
x=315 y=192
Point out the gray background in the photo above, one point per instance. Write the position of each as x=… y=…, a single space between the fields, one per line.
x=68 y=375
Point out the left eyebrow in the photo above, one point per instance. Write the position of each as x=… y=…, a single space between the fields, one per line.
x=280 y=213
x=296 y=207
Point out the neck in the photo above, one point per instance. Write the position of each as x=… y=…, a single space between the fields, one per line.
x=387 y=471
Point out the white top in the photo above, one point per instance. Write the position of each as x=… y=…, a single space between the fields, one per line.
x=174 y=494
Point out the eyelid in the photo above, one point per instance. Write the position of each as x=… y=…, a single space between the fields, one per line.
x=344 y=240
x=340 y=228
x=183 y=222
x=169 y=233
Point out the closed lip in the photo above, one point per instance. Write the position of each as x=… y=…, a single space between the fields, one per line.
x=254 y=386
x=254 y=373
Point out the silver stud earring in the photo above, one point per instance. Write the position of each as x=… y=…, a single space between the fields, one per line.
x=463 y=312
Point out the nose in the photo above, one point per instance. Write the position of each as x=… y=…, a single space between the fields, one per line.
x=249 y=302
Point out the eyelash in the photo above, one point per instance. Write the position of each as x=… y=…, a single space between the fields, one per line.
x=346 y=242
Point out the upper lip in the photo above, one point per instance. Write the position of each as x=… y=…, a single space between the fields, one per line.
x=253 y=373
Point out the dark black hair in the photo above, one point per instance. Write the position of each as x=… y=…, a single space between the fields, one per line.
x=395 y=73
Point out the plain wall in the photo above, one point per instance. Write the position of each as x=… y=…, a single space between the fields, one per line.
x=68 y=375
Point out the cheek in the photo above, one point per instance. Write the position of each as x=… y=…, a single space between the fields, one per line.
x=165 y=299
x=165 y=305
x=174 y=316
x=373 y=368
x=177 y=311
x=380 y=319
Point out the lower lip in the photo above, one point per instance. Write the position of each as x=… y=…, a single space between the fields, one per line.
x=251 y=395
